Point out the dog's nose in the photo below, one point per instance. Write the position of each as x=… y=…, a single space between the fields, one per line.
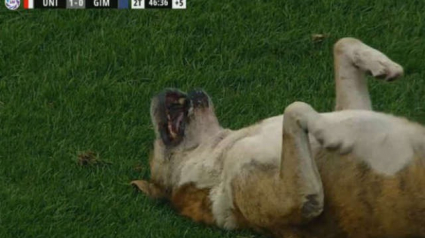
x=199 y=98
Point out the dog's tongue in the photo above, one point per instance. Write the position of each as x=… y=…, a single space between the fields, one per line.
x=174 y=125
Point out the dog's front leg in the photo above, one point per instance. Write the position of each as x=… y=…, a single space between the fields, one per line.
x=352 y=59
x=298 y=169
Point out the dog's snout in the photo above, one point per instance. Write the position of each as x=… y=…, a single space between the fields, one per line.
x=199 y=98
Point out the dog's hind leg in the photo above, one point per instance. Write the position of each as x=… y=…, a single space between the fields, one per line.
x=352 y=59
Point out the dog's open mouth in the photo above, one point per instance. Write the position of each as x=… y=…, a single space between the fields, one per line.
x=173 y=110
x=176 y=113
x=176 y=110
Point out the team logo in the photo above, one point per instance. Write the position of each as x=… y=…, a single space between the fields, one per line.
x=12 y=4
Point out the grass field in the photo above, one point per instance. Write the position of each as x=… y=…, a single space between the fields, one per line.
x=78 y=81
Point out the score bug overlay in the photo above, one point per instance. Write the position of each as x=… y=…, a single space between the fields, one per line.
x=97 y=4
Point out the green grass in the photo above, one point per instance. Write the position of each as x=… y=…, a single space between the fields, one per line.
x=73 y=81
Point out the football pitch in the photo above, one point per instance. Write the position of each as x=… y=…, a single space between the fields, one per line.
x=77 y=84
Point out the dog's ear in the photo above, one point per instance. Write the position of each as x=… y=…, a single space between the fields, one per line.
x=150 y=189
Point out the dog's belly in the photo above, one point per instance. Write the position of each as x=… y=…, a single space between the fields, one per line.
x=376 y=190
x=360 y=202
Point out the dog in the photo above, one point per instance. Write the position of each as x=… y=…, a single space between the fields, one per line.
x=348 y=173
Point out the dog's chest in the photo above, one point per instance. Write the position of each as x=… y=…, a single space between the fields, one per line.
x=202 y=169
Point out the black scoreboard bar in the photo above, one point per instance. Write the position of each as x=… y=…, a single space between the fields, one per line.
x=105 y=4
x=88 y=4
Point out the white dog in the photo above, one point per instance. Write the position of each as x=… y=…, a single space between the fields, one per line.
x=349 y=173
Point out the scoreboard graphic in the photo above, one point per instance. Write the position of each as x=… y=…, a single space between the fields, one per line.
x=96 y=4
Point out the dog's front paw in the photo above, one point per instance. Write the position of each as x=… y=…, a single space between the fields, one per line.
x=368 y=59
x=333 y=137
x=377 y=63
x=386 y=69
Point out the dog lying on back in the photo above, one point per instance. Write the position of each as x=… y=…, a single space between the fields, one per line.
x=348 y=173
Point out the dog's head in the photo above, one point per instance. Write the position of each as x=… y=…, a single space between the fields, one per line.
x=182 y=121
